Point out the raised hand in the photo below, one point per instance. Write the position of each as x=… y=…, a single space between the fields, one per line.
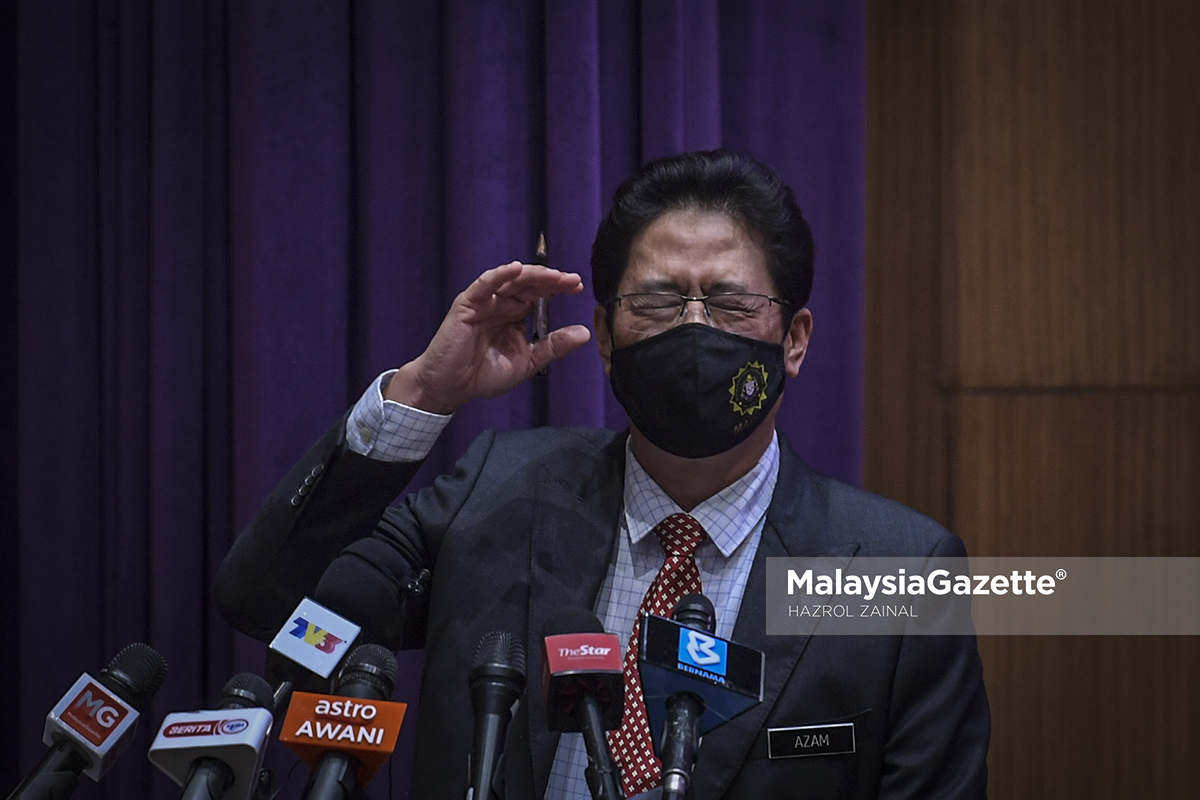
x=480 y=349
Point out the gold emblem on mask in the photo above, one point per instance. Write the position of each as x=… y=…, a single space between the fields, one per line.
x=749 y=389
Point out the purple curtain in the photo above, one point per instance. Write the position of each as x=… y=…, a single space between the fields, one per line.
x=230 y=216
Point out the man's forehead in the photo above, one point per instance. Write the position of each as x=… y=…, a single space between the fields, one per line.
x=693 y=227
x=685 y=246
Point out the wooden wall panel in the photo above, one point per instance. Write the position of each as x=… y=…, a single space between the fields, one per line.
x=1084 y=474
x=1033 y=342
x=1071 y=171
x=1098 y=717
x=1077 y=474
x=904 y=412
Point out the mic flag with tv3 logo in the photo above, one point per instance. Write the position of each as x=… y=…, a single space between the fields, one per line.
x=218 y=753
x=357 y=727
x=94 y=722
x=307 y=649
x=315 y=638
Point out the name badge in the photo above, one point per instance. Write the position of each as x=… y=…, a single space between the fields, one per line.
x=810 y=740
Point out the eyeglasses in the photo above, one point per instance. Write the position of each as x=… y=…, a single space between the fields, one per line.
x=654 y=312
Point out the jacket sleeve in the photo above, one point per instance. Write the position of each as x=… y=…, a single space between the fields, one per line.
x=381 y=580
x=330 y=498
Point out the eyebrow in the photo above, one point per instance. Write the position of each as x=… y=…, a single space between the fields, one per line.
x=663 y=285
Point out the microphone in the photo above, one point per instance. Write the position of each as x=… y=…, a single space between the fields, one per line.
x=585 y=690
x=94 y=722
x=218 y=753
x=692 y=682
x=347 y=736
x=681 y=733
x=496 y=682
x=307 y=649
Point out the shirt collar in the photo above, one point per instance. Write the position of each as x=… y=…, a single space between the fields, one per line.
x=728 y=516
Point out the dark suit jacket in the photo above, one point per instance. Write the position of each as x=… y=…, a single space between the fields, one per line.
x=526 y=523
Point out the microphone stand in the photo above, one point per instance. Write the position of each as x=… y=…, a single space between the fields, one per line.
x=55 y=778
x=601 y=773
x=209 y=780
x=680 y=738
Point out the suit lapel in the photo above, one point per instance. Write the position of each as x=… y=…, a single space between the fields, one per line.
x=796 y=525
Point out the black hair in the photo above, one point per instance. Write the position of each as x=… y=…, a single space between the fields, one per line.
x=714 y=180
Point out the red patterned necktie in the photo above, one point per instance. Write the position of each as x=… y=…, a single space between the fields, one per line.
x=632 y=744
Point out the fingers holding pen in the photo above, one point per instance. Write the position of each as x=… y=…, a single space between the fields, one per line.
x=524 y=284
x=557 y=344
x=520 y=283
x=480 y=349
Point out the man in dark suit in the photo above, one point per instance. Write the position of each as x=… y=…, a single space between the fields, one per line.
x=701 y=270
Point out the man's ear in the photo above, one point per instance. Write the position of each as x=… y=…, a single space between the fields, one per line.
x=603 y=337
x=795 y=343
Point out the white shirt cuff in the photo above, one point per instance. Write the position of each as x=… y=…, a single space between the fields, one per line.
x=389 y=431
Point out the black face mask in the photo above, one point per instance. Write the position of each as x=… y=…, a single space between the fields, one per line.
x=696 y=391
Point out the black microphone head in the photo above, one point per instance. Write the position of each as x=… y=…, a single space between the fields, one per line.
x=135 y=674
x=247 y=690
x=571 y=619
x=369 y=673
x=696 y=611
x=496 y=682
x=499 y=655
